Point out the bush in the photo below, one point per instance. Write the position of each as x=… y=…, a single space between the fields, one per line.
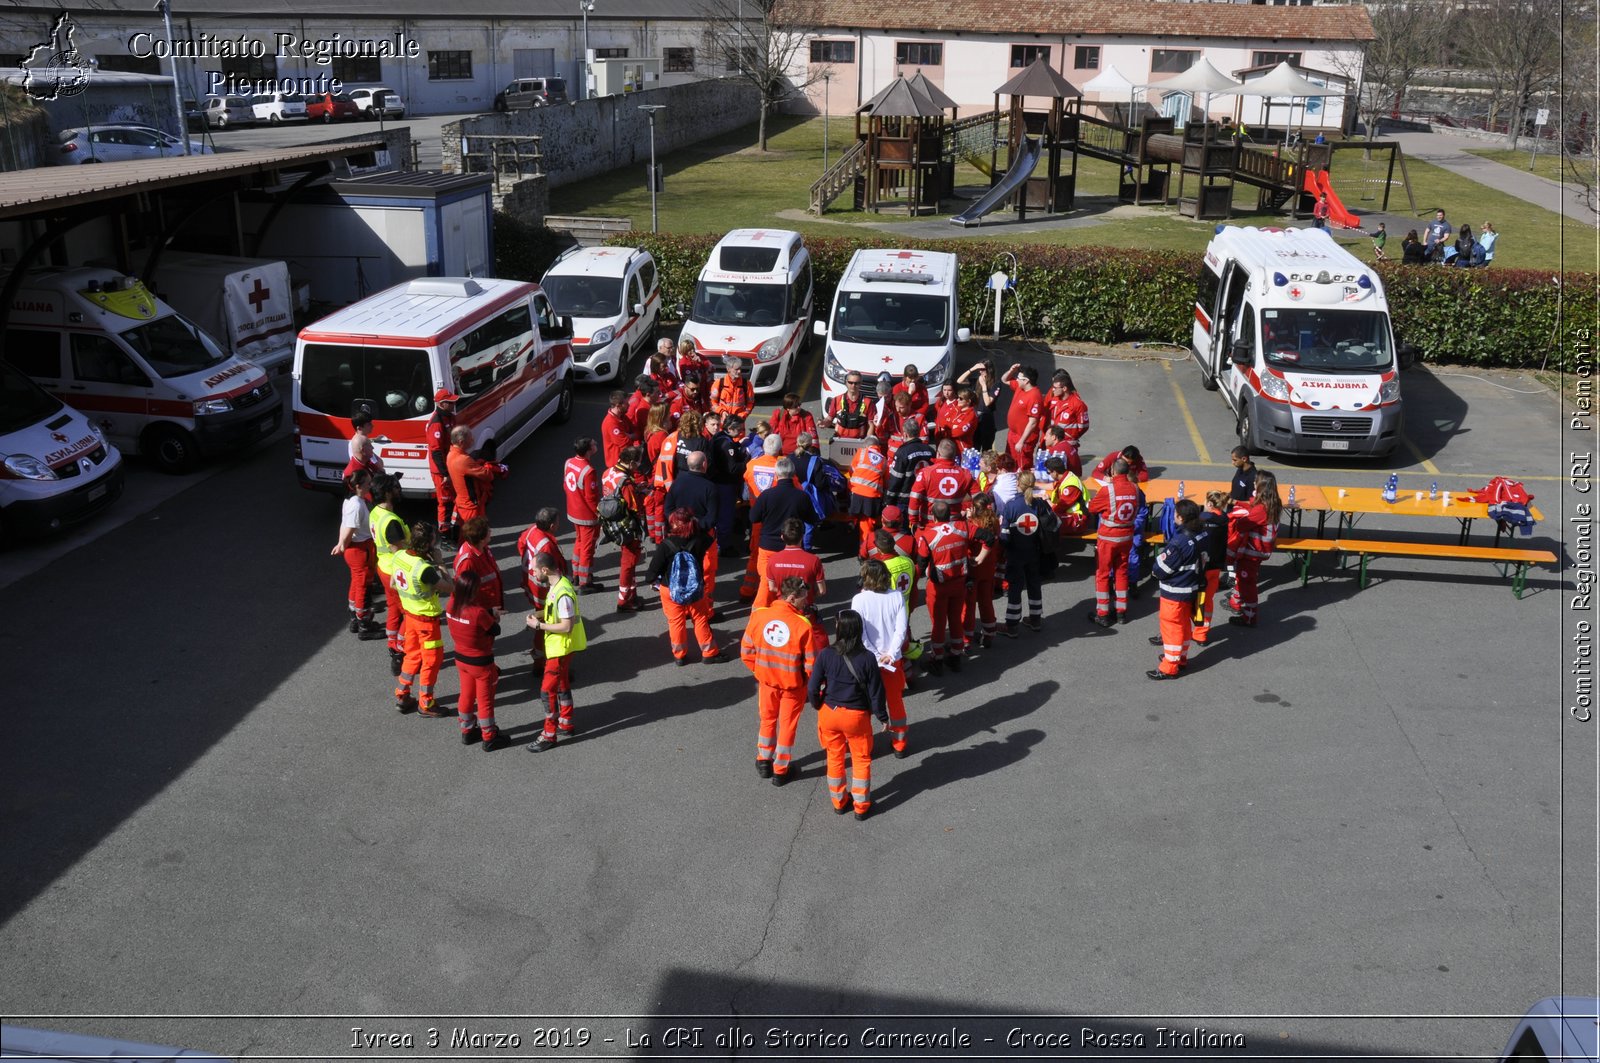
x=1485 y=317
x=522 y=252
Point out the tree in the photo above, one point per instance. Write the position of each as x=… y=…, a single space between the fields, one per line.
x=1517 y=43
x=763 y=42
x=1407 y=36
x=1578 y=114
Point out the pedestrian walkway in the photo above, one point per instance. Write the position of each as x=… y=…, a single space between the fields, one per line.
x=1449 y=152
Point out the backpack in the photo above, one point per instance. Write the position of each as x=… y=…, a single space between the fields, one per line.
x=822 y=482
x=685 y=585
x=618 y=523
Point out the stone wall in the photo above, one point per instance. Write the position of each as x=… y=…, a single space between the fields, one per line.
x=596 y=136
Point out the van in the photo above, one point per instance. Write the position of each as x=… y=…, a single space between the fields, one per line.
x=245 y=304
x=531 y=92
x=753 y=301
x=1556 y=1028
x=55 y=467
x=494 y=343
x=1294 y=330
x=277 y=107
x=148 y=378
x=613 y=296
x=893 y=309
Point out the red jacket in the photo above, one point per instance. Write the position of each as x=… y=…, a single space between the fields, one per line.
x=790 y=423
x=532 y=543
x=1138 y=471
x=1072 y=414
x=941 y=481
x=438 y=435
x=616 y=433
x=473 y=631
x=1117 y=502
x=638 y=412
x=945 y=549
x=919 y=397
x=470 y=559
x=583 y=490
x=1256 y=535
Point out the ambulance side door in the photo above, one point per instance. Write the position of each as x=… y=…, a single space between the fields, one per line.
x=1224 y=316
x=110 y=388
x=554 y=341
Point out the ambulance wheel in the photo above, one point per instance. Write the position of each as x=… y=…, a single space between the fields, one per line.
x=564 y=403
x=171 y=449
x=1246 y=430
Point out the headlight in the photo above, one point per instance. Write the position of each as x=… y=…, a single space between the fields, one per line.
x=1390 y=391
x=832 y=367
x=24 y=467
x=602 y=337
x=99 y=436
x=1274 y=387
x=768 y=351
x=207 y=406
x=935 y=376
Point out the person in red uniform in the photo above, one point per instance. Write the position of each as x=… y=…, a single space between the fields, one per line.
x=355 y=544
x=1055 y=445
x=912 y=388
x=906 y=423
x=790 y=419
x=869 y=478
x=626 y=482
x=471 y=478
x=363 y=456
x=540 y=538
x=583 y=500
x=656 y=431
x=893 y=521
x=1025 y=417
x=1117 y=503
x=985 y=549
x=646 y=393
x=1255 y=524
x=660 y=369
x=1138 y=471
x=473 y=556
x=732 y=395
x=473 y=626
x=796 y=561
x=941 y=480
x=438 y=437
x=780 y=647
x=881 y=419
x=616 y=428
x=944 y=404
x=1070 y=413
x=692 y=396
x=944 y=553
x=692 y=365
x=961 y=422
x=850 y=413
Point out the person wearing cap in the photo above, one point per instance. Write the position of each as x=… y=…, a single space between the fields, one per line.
x=438 y=437
x=911 y=386
x=732 y=394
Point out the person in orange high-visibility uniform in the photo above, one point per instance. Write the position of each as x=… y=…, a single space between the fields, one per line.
x=759 y=475
x=420 y=579
x=780 y=647
x=732 y=395
x=471 y=478
x=869 y=474
x=845 y=686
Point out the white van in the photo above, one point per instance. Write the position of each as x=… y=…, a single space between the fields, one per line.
x=144 y=375
x=1295 y=331
x=893 y=309
x=753 y=301
x=245 y=304
x=495 y=343
x=613 y=296
x=55 y=467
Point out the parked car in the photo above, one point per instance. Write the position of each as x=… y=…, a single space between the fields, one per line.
x=194 y=117
x=370 y=102
x=278 y=107
x=531 y=92
x=122 y=143
x=328 y=107
x=223 y=112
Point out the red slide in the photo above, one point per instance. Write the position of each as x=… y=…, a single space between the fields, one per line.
x=1317 y=183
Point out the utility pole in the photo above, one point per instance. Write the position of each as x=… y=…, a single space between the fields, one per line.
x=827 y=78
x=584 y=7
x=650 y=110
x=172 y=61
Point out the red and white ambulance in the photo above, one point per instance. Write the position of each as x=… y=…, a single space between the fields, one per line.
x=753 y=301
x=495 y=343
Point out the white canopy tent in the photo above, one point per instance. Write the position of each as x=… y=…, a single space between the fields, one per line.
x=1202 y=77
x=1284 y=80
x=1110 y=81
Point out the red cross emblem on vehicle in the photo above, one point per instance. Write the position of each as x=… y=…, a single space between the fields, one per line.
x=888 y=357
x=729 y=339
x=761 y=235
x=603 y=254
x=258 y=295
x=1296 y=292
x=906 y=254
x=58 y=437
x=1027 y=524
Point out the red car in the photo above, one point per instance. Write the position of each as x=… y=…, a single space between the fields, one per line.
x=327 y=107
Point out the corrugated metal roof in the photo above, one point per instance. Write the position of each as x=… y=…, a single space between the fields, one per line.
x=26 y=192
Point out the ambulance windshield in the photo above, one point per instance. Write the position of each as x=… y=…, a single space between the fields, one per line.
x=582 y=296
x=736 y=303
x=1355 y=341
x=22 y=402
x=173 y=347
x=891 y=317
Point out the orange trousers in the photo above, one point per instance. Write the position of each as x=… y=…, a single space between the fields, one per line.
x=763 y=592
x=779 y=708
x=847 y=730
x=1177 y=622
x=751 y=588
x=424 y=643
x=679 y=619
x=1202 y=627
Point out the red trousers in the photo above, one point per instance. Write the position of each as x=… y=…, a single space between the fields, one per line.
x=847 y=730
x=1111 y=566
x=1022 y=451
x=655 y=518
x=424 y=643
x=980 y=603
x=1177 y=622
x=465 y=510
x=779 y=708
x=557 y=689
x=628 y=565
x=583 y=553
x=360 y=557
x=445 y=492
x=680 y=617
x=947 y=606
x=476 y=708
x=1246 y=585
x=1202 y=627
x=894 y=693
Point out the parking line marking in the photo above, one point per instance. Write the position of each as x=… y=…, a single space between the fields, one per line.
x=1188 y=418
x=1415 y=453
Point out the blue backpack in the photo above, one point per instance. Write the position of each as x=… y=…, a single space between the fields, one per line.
x=685 y=584
x=823 y=481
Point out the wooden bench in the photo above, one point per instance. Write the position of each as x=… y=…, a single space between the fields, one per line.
x=1520 y=559
x=1303 y=549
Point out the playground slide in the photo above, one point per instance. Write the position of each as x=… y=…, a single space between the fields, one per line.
x=1317 y=182
x=1021 y=170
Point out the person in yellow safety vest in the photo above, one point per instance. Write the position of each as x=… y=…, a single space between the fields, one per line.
x=419 y=579
x=563 y=636
x=390 y=534
x=1066 y=496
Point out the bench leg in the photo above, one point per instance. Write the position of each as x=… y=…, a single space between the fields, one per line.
x=1363 y=571
x=1520 y=580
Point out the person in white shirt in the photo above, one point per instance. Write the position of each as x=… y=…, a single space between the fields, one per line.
x=360 y=553
x=884 y=629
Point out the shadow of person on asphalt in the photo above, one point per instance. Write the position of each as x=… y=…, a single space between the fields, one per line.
x=939 y=769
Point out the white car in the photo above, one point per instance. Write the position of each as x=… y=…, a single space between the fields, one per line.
x=370 y=102
x=613 y=296
x=122 y=143
x=278 y=107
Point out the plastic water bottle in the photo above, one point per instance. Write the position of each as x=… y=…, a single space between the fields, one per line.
x=1433 y=492
x=1292 y=502
x=1391 y=487
x=1181 y=493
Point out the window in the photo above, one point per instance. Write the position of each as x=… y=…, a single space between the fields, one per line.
x=1024 y=54
x=172 y=347
x=95 y=359
x=353 y=71
x=396 y=380
x=36 y=353
x=800 y=293
x=251 y=67
x=833 y=51
x=22 y=403
x=1171 y=61
x=1274 y=58
x=611 y=53
x=918 y=53
x=647 y=274
x=491 y=352
x=1086 y=58
x=678 y=60
x=449 y=66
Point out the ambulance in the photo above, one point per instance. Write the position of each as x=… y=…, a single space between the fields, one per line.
x=893 y=309
x=1294 y=330
x=55 y=467
x=143 y=374
x=613 y=297
x=495 y=343
x=753 y=301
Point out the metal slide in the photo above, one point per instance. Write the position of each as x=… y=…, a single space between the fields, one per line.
x=1021 y=170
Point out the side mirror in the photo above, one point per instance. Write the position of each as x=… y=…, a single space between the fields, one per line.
x=819 y=327
x=682 y=311
x=963 y=335
x=1241 y=353
x=1408 y=355
x=638 y=308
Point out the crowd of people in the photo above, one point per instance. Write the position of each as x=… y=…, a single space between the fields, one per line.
x=942 y=519
x=1440 y=243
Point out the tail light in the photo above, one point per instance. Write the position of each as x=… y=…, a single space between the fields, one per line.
x=69 y=147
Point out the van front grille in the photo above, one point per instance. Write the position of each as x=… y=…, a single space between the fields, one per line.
x=1336 y=426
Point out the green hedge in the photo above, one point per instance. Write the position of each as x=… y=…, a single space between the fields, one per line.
x=1484 y=317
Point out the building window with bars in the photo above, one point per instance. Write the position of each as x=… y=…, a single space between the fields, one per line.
x=354 y=70
x=677 y=60
x=1274 y=58
x=449 y=66
x=918 y=53
x=250 y=68
x=1171 y=60
x=611 y=53
x=833 y=51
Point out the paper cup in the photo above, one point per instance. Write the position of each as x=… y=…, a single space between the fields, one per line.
x=1419 y=496
x=1341 y=492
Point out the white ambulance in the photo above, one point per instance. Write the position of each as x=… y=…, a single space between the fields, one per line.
x=1295 y=332
x=753 y=301
x=55 y=467
x=613 y=296
x=893 y=309
x=151 y=381
x=495 y=343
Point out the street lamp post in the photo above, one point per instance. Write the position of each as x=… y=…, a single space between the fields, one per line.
x=650 y=110
x=584 y=7
x=827 y=78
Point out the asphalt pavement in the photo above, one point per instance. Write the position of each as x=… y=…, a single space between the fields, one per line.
x=220 y=834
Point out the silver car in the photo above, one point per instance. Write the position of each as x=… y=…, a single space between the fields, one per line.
x=224 y=111
x=121 y=143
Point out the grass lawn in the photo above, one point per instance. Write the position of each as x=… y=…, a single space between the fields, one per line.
x=727 y=183
x=1546 y=165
